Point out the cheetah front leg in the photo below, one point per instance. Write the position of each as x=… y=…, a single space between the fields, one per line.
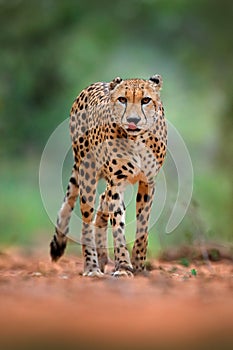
x=101 y=225
x=58 y=243
x=87 y=200
x=143 y=207
x=123 y=265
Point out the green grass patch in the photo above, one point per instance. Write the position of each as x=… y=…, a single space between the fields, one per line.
x=23 y=218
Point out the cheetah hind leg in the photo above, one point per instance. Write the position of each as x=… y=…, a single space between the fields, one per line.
x=59 y=241
x=101 y=225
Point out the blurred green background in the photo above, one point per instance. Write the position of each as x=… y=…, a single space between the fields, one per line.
x=52 y=49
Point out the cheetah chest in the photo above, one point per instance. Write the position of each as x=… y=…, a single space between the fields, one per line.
x=127 y=160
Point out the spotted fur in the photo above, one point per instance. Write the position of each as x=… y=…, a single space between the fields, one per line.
x=118 y=132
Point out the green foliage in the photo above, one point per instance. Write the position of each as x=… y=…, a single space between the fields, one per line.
x=51 y=49
x=194 y=272
x=185 y=262
x=214 y=254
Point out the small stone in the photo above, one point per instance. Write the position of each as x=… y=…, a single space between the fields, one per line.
x=36 y=274
x=64 y=277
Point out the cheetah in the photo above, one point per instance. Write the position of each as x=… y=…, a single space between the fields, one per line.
x=118 y=133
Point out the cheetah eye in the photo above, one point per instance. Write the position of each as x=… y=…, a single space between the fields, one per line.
x=145 y=100
x=122 y=99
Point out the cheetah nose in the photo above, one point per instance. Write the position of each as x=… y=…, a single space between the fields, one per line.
x=133 y=120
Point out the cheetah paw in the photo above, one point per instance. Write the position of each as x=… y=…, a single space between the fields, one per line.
x=95 y=273
x=123 y=273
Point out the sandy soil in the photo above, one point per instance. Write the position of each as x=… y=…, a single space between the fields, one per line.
x=48 y=306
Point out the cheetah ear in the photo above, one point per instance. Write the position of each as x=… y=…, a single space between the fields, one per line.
x=157 y=79
x=114 y=83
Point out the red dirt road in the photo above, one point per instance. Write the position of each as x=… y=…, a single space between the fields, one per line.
x=49 y=306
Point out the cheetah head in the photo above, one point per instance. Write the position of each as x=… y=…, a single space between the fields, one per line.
x=135 y=102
